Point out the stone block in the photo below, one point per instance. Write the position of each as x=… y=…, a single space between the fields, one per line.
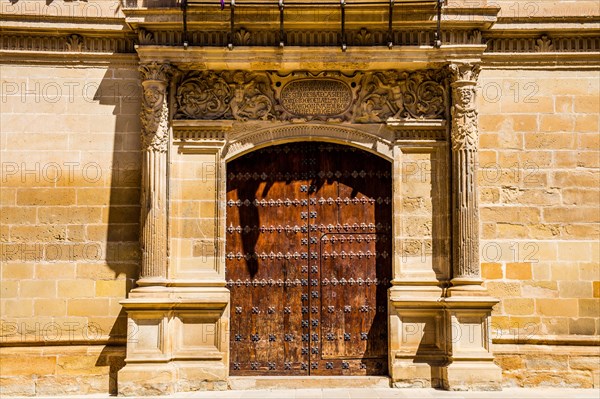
x=555 y=325
x=564 y=271
x=17 y=215
x=556 y=123
x=556 y=307
x=37 y=364
x=586 y=104
x=17 y=386
x=111 y=288
x=9 y=289
x=518 y=306
x=38 y=289
x=50 y=307
x=147 y=380
x=20 y=307
x=577 y=179
x=540 y=289
x=582 y=326
x=546 y=140
x=518 y=271
x=563 y=104
x=587 y=124
x=17 y=271
x=46 y=196
x=491 y=271
x=87 y=307
x=79 y=288
x=540 y=271
x=589 y=307
x=70 y=215
x=501 y=289
x=479 y=376
x=575 y=289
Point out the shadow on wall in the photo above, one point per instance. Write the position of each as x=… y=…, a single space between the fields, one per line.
x=120 y=88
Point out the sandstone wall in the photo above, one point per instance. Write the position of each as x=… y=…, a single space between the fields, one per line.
x=68 y=224
x=539 y=188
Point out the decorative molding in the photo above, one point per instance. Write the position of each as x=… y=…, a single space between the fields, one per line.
x=210 y=133
x=238 y=144
x=125 y=42
x=372 y=97
x=71 y=43
x=419 y=130
x=562 y=44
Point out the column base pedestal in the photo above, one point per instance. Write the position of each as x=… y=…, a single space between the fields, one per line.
x=177 y=340
x=166 y=379
x=472 y=376
x=147 y=380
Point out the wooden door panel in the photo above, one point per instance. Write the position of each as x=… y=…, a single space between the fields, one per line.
x=308 y=261
x=265 y=259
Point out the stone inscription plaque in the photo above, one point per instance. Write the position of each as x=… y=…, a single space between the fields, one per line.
x=316 y=97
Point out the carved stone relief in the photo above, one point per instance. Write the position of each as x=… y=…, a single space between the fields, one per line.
x=210 y=95
x=154 y=116
x=304 y=96
x=402 y=95
x=464 y=112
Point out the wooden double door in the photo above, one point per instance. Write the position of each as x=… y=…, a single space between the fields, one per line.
x=308 y=260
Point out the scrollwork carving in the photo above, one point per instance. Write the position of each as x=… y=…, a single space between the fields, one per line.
x=401 y=95
x=304 y=96
x=238 y=95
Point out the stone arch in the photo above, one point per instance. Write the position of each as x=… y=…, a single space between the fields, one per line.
x=246 y=142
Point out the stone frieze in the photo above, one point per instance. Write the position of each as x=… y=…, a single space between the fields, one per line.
x=360 y=97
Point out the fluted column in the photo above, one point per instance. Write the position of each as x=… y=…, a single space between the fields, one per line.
x=155 y=135
x=465 y=143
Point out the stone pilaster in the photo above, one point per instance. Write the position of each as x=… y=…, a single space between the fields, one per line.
x=155 y=138
x=177 y=325
x=468 y=308
x=465 y=207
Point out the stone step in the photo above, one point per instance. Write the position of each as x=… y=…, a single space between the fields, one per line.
x=299 y=382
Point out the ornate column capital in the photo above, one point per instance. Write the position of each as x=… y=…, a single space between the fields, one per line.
x=154 y=115
x=464 y=72
x=464 y=134
x=153 y=71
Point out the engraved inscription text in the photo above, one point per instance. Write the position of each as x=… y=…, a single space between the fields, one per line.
x=316 y=97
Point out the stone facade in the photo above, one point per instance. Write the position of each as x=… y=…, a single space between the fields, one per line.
x=112 y=223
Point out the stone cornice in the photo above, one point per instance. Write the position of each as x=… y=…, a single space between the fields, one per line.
x=513 y=47
x=309 y=58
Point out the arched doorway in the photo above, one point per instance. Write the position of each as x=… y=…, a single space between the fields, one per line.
x=308 y=260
